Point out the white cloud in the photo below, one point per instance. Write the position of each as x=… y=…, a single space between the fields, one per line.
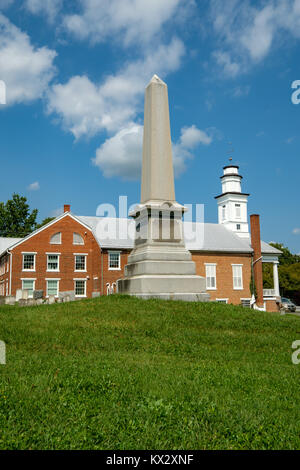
x=48 y=7
x=26 y=70
x=121 y=155
x=192 y=136
x=296 y=231
x=223 y=59
x=34 y=186
x=248 y=31
x=240 y=91
x=129 y=21
x=87 y=108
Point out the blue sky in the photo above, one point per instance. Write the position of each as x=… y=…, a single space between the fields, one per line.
x=75 y=73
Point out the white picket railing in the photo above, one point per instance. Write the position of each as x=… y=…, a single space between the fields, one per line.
x=269 y=293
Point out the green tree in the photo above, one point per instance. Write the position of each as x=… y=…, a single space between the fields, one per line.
x=16 y=220
x=287 y=258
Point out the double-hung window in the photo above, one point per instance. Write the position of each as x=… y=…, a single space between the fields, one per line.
x=80 y=288
x=29 y=261
x=237 y=272
x=211 y=276
x=53 y=262
x=80 y=262
x=114 y=260
x=238 y=211
x=52 y=287
x=29 y=284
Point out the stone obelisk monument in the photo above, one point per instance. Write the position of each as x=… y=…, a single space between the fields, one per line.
x=160 y=266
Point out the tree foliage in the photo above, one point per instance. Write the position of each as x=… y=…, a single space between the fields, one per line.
x=16 y=220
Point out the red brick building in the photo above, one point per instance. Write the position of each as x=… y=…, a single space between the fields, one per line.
x=85 y=256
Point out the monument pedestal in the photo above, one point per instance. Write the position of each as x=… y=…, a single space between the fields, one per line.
x=160 y=266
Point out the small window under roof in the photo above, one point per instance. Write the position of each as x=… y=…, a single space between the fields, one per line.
x=56 y=239
x=77 y=239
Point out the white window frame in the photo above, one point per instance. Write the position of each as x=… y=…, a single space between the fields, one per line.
x=234 y=277
x=222 y=301
x=85 y=284
x=58 y=263
x=34 y=261
x=60 y=237
x=209 y=265
x=52 y=279
x=80 y=270
x=223 y=212
x=114 y=253
x=78 y=244
x=238 y=211
x=248 y=299
x=28 y=279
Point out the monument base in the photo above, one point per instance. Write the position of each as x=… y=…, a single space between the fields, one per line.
x=150 y=273
x=177 y=296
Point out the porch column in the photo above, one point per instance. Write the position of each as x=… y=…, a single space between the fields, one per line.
x=276 y=278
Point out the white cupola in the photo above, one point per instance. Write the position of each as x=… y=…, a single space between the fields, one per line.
x=232 y=203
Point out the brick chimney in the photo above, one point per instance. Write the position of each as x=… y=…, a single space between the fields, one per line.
x=257 y=259
x=67 y=208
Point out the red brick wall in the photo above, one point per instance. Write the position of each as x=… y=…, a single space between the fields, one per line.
x=224 y=275
x=111 y=276
x=40 y=243
x=4 y=268
x=272 y=306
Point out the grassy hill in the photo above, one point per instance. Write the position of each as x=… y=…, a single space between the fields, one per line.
x=122 y=373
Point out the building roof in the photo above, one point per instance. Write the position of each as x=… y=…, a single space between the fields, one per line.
x=267 y=249
x=114 y=233
x=119 y=234
x=6 y=243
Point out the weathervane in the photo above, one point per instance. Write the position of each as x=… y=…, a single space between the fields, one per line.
x=230 y=151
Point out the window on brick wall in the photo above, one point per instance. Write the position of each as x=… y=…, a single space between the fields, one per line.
x=28 y=284
x=80 y=262
x=246 y=303
x=211 y=277
x=56 y=239
x=80 y=288
x=237 y=272
x=29 y=262
x=53 y=262
x=77 y=239
x=114 y=260
x=52 y=287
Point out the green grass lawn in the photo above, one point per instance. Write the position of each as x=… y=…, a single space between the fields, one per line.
x=122 y=373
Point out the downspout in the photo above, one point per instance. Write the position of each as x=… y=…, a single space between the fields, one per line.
x=102 y=285
x=10 y=270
